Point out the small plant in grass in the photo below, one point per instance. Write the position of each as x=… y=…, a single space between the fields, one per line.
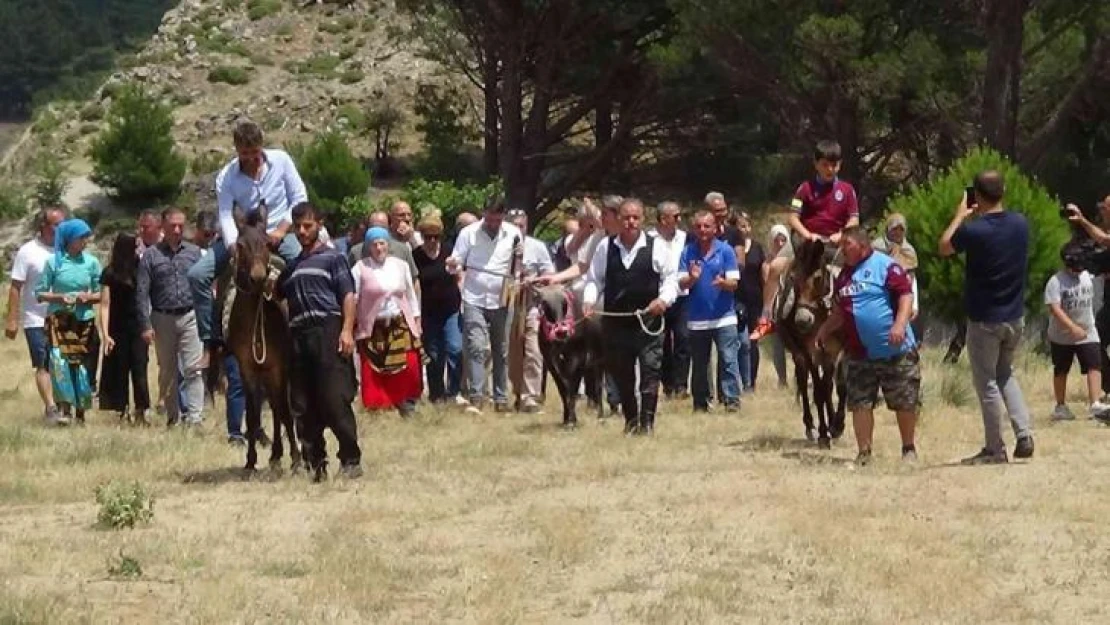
x=124 y=567
x=229 y=74
x=258 y=9
x=351 y=76
x=123 y=505
x=955 y=389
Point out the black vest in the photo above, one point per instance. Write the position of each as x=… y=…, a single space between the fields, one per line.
x=631 y=289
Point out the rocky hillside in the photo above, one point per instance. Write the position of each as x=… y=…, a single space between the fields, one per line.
x=295 y=68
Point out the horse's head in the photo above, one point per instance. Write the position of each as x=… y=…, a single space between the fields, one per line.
x=252 y=249
x=557 y=312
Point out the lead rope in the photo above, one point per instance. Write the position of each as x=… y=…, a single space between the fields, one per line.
x=258 y=333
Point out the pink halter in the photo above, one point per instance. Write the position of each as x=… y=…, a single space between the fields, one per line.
x=565 y=327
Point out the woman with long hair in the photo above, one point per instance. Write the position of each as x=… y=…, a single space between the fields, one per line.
x=749 y=298
x=70 y=284
x=126 y=355
x=387 y=328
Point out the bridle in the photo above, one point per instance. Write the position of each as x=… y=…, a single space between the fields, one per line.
x=258 y=328
x=565 y=326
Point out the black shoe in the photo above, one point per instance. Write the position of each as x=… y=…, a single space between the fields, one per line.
x=631 y=428
x=703 y=409
x=733 y=407
x=351 y=471
x=320 y=474
x=1024 y=448
x=614 y=408
x=986 y=456
x=648 y=404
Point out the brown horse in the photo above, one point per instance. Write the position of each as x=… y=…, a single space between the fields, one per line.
x=803 y=307
x=258 y=336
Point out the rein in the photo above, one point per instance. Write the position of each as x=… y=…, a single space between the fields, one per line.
x=258 y=327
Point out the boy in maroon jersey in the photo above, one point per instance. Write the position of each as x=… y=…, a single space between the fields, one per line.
x=821 y=209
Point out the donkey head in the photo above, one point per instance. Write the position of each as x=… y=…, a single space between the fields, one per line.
x=252 y=249
x=557 y=312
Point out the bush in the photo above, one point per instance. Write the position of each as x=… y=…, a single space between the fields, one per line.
x=351 y=210
x=91 y=112
x=929 y=208
x=316 y=65
x=134 y=156
x=449 y=197
x=51 y=181
x=258 y=9
x=124 y=567
x=123 y=505
x=229 y=74
x=351 y=76
x=207 y=163
x=330 y=171
x=14 y=202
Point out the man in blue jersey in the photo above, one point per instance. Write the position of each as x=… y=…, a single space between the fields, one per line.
x=709 y=270
x=874 y=301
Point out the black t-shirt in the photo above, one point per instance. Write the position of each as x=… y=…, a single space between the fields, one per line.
x=996 y=269
x=751 y=278
x=731 y=236
x=439 y=290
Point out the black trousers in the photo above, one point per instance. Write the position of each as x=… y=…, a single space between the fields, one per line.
x=676 y=349
x=321 y=389
x=625 y=345
x=1102 y=324
x=128 y=361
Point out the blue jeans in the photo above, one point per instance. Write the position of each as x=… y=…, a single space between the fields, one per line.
x=727 y=341
x=485 y=333
x=236 y=398
x=203 y=274
x=443 y=344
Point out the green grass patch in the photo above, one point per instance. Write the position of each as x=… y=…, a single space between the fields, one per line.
x=258 y=9
x=229 y=74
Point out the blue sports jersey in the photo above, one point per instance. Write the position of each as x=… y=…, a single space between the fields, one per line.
x=867 y=295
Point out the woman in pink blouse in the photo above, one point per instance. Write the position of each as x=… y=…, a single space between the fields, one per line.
x=387 y=328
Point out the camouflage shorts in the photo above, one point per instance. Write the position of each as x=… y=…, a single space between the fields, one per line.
x=899 y=379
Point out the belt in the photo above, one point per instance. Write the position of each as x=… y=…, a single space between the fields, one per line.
x=176 y=312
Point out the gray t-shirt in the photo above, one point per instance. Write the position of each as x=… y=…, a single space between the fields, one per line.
x=1075 y=294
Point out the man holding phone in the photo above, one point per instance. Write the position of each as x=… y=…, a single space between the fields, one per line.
x=996 y=244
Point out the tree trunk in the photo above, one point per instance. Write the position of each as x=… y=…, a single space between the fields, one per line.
x=1002 y=79
x=491 y=126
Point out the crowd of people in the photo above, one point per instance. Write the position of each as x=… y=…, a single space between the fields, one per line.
x=391 y=308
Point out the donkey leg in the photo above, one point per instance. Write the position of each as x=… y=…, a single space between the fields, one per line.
x=821 y=389
x=839 y=382
x=254 y=424
x=801 y=379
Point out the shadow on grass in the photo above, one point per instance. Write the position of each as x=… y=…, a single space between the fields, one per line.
x=815 y=456
x=547 y=427
x=227 y=475
x=772 y=443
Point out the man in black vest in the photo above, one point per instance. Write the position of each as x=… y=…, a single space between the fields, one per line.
x=634 y=273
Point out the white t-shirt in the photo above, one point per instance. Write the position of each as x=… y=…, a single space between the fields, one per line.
x=27 y=268
x=1075 y=294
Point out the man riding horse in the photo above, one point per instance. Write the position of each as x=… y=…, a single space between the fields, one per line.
x=822 y=208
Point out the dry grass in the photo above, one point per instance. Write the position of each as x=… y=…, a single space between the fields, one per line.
x=507 y=519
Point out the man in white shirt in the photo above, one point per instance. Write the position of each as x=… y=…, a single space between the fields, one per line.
x=636 y=275
x=256 y=177
x=24 y=307
x=676 y=336
x=484 y=253
x=525 y=358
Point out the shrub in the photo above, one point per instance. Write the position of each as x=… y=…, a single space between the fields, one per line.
x=330 y=171
x=229 y=74
x=351 y=76
x=355 y=117
x=258 y=9
x=51 y=181
x=351 y=210
x=91 y=112
x=207 y=163
x=134 y=156
x=316 y=65
x=123 y=505
x=929 y=208
x=124 y=567
x=14 y=202
x=449 y=197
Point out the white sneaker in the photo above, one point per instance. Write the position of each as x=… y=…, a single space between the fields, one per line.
x=472 y=409
x=461 y=401
x=1099 y=408
x=1062 y=413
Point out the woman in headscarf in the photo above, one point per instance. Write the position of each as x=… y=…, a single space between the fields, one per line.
x=779 y=241
x=894 y=243
x=70 y=284
x=387 y=328
x=126 y=355
x=440 y=304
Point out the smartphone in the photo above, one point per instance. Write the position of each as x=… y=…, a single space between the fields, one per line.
x=1065 y=213
x=970 y=191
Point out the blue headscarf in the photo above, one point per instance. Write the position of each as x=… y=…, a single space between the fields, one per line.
x=375 y=233
x=68 y=231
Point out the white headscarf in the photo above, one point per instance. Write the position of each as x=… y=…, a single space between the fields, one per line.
x=776 y=230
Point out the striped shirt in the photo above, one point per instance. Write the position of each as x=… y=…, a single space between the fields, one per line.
x=315 y=285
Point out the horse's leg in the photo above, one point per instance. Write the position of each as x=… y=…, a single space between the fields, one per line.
x=822 y=387
x=568 y=392
x=840 y=382
x=277 y=391
x=801 y=378
x=253 y=418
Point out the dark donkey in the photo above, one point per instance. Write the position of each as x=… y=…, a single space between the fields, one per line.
x=802 y=310
x=258 y=336
x=571 y=347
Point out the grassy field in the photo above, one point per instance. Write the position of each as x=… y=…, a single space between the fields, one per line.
x=506 y=519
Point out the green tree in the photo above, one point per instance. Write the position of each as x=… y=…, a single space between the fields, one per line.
x=331 y=171
x=442 y=114
x=52 y=181
x=928 y=209
x=134 y=156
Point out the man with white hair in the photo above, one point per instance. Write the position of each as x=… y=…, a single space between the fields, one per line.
x=676 y=336
x=525 y=358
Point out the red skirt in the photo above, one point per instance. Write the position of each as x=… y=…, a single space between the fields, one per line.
x=382 y=391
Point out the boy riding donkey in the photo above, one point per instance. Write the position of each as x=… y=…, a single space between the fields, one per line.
x=822 y=208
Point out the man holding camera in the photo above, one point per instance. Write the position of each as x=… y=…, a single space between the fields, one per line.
x=996 y=244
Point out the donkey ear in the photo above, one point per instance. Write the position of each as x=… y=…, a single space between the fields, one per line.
x=263 y=214
x=238 y=215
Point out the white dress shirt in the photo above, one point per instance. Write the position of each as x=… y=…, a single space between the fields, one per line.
x=475 y=248
x=537 y=258
x=278 y=184
x=660 y=262
x=675 y=245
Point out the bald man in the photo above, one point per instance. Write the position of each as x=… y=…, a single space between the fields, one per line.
x=397 y=247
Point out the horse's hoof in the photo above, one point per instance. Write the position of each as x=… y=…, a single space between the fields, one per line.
x=297 y=467
x=249 y=473
x=275 y=468
x=811 y=435
x=570 y=426
x=824 y=443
